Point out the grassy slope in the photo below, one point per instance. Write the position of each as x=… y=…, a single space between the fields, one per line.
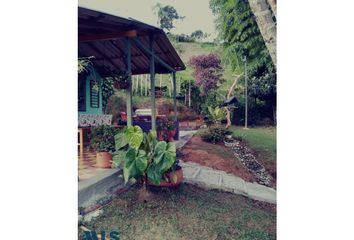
x=188 y=213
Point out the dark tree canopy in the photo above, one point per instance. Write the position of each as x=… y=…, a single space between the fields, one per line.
x=198 y=34
x=166 y=15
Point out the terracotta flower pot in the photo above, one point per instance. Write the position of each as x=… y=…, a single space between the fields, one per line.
x=175 y=179
x=171 y=135
x=103 y=160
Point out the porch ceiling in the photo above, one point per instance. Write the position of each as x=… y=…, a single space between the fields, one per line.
x=103 y=36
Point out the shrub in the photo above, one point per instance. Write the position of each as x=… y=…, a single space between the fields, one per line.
x=102 y=138
x=115 y=105
x=215 y=134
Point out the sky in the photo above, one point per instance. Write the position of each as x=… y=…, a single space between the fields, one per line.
x=197 y=13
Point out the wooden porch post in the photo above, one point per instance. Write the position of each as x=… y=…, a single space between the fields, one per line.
x=174 y=96
x=129 y=90
x=152 y=83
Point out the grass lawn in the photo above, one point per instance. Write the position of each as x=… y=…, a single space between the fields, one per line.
x=188 y=212
x=262 y=140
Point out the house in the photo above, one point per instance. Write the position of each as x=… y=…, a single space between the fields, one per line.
x=114 y=43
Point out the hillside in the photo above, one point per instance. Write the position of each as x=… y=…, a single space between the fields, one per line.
x=188 y=50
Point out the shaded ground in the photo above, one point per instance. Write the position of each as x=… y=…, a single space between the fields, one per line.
x=216 y=156
x=188 y=212
x=262 y=142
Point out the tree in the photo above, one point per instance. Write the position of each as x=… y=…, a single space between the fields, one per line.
x=166 y=15
x=264 y=89
x=207 y=71
x=240 y=34
x=198 y=34
x=266 y=24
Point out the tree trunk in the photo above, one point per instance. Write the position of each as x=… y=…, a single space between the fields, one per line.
x=266 y=25
x=273 y=5
x=228 y=112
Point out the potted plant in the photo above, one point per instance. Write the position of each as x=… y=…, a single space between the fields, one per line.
x=102 y=140
x=120 y=80
x=145 y=158
x=171 y=128
x=172 y=178
x=162 y=129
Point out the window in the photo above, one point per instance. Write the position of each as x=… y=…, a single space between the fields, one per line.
x=94 y=95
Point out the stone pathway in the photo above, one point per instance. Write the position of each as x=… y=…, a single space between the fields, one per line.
x=184 y=137
x=215 y=179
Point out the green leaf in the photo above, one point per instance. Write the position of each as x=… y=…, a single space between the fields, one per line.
x=154 y=174
x=120 y=140
x=165 y=155
x=134 y=136
x=135 y=164
x=141 y=161
x=160 y=149
x=118 y=158
x=169 y=157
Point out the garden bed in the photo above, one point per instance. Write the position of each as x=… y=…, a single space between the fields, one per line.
x=187 y=212
x=216 y=156
x=262 y=143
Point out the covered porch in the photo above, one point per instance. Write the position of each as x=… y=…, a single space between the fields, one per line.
x=114 y=43
x=131 y=46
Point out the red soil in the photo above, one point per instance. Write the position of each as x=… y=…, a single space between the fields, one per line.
x=215 y=156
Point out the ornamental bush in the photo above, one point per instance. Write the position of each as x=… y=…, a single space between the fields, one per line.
x=215 y=134
x=207 y=71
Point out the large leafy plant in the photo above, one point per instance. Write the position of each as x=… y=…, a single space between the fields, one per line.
x=142 y=156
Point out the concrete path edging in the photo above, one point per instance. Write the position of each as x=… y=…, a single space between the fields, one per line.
x=209 y=178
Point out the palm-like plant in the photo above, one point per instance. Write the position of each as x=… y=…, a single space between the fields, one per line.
x=217 y=114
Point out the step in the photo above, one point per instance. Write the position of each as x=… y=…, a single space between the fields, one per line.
x=99 y=186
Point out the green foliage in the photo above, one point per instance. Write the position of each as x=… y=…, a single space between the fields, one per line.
x=115 y=105
x=143 y=156
x=215 y=134
x=107 y=91
x=83 y=64
x=239 y=31
x=135 y=163
x=102 y=138
x=180 y=38
x=197 y=34
x=217 y=114
x=134 y=136
x=263 y=88
x=196 y=98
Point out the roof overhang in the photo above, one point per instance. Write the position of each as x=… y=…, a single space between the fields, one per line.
x=104 y=36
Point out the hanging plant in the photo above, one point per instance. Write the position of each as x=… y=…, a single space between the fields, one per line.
x=120 y=79
x=85 y=67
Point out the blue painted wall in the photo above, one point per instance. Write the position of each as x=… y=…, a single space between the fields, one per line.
x=89 y=109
